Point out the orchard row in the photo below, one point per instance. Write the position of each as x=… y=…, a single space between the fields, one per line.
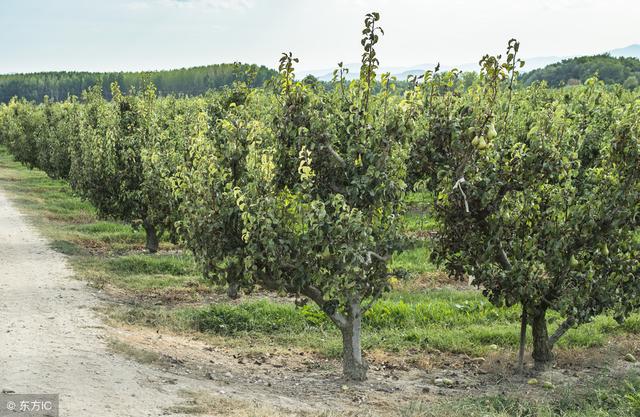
x=299 y=188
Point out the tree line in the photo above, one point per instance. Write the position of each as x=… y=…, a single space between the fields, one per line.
x=300 y=189
x=58 y=86
x=611 y=70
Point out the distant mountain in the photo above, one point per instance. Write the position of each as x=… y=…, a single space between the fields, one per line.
x=531 y=64
x=631 y=51
x=326 y=74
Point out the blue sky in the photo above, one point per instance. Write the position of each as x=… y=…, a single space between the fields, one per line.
x=110 y=35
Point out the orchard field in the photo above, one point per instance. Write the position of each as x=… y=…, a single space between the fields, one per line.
x=457 y=245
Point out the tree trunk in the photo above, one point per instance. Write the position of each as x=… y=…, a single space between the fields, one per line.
x=152 y=237
x=541 y=346
x=232 y=290
x=353 y=365
x=523 y=339
x=350 y=324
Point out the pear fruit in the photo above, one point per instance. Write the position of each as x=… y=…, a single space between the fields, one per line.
x=573 y=262
x=604 y=250
x=482 y=143
x=475 y=141
x=491 y=132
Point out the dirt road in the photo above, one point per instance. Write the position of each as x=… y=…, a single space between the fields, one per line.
x=52 y=342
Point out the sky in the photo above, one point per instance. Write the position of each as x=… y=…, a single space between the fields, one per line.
x=123 y=35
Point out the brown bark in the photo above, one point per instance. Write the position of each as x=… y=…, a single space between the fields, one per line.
x=153 y=242
x=541 y=347
x=232 y=290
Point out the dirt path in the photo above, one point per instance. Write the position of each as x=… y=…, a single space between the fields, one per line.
x=52 y=342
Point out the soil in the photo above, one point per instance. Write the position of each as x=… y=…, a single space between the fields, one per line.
x=52 y=342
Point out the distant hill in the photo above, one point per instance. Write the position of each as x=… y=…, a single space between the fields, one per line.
x=185 y=81
x=610 y=69
x=532 y=64
x=616 y=65
x=326 y=74
x=631 y=51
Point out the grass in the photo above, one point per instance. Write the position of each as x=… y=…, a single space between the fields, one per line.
x=107 y=253
x=436 y=320
x=110 y=255
x=413 y=261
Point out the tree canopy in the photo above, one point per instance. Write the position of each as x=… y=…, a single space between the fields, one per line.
x=611 y=70
x=185 y=81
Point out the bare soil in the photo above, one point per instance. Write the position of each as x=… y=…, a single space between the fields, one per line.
x=51 y=340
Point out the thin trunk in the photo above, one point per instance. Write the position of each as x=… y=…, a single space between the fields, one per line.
x=354 y=366
x=232 y=290
x=152 y=237
x=523 y=339
x=350 y=325
x=541 y=347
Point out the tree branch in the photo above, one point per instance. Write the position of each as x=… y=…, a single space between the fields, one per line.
x=374 y=297
x=566 y=325
x=493 y=206
x=336 y=155
x=316 y=295
x=504 y=260
x=371 y=254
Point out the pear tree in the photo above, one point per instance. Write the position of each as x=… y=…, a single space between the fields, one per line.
x=324 y=221
x=527 y=199
x=300 y=191
x=107 y=163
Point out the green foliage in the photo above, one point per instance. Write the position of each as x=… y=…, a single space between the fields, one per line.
x=58 y=86
x=578 y=70
x=534 y=211
x=302 y=197
x=107 y=165
x=211 y=170
x=300 y=189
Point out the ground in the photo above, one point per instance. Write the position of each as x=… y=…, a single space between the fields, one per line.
x=118 y=332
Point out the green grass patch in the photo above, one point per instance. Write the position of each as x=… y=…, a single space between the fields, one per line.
x=442 y=320
x=176 y=265
x=143 y=275
x=99 y=250
x=415 y=261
